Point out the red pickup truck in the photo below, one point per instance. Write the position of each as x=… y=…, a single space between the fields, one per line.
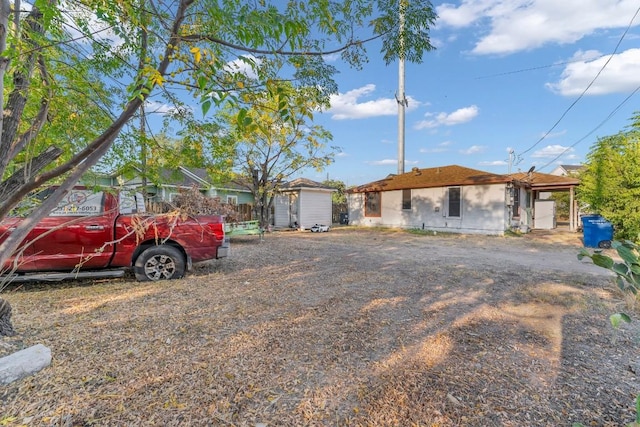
x=104 y=233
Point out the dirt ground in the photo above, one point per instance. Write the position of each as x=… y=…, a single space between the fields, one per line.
x=346 y=328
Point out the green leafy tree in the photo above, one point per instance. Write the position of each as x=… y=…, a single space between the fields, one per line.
x=274 y=140
x=337 y=197
x=221 y=53
x=610 y=181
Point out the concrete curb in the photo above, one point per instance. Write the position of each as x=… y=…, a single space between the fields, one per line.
x=24 y=363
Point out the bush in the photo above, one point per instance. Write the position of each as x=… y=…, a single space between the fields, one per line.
x=628 y=280
x=627 y=272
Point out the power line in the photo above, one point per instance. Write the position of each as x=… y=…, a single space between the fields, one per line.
x=524 y=70
x=615 y=110
x=586 y=89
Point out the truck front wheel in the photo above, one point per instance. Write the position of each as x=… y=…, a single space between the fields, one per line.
x=159 y=263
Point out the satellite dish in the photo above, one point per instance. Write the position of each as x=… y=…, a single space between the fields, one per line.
x=531 y=169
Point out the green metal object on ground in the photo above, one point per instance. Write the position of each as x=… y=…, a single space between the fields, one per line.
x=243 y=228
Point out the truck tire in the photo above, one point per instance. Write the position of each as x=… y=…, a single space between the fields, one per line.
x=163 y=262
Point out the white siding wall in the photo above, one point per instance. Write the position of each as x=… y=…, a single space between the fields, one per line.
x=315 y=208
x=355 y=208
x=483 y=210
x=281 y=214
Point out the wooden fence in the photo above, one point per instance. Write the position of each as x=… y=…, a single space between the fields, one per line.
x=244 y=212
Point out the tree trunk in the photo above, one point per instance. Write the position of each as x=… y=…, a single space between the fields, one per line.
x=18 y=97
x=90 y=155
x=6 y=328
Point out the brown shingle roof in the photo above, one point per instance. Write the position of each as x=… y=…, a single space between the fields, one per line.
x=537 y=179
x=304 y=183
x=442 y=176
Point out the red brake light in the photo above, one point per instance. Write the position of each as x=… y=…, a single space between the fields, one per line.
x=218 y=230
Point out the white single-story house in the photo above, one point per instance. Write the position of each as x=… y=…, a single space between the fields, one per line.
x=301 y=204
x=567 y=170
x=454 y=199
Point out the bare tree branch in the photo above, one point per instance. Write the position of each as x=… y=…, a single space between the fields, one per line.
x=9 y=187
x=351 y=43
x=83 y=161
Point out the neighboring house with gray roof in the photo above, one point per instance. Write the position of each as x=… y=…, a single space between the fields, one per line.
x=567 y=170
x=453 y=199
x=301 y=204
x=171 y=182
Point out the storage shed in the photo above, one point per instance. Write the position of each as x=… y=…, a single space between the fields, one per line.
x=301 y=204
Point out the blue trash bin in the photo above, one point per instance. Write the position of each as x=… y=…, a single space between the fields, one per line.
x=597 y=231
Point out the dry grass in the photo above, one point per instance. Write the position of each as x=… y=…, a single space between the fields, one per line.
x=347 y=328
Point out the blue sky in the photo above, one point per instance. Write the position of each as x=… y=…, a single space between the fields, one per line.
x=544 y=78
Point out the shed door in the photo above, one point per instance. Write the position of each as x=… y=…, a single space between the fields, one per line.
x=294 y=220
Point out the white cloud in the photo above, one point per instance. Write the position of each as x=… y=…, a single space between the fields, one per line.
x=551 y=151
x=558 y=134
x=434 y=150
x=349 y=105
x=155 y=107
x=384 y=162
x=459 y=116
x=334 y=57
x=72 y=12
x=243 y=65
x=619 y=76
x=440 y=148
x=387 y=162
x=518 y=25
x=474 y=149
x=493 y=163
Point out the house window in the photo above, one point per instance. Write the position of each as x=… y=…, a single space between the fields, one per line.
x=406 y=199
x=454 y=202
x=232 y=200
x=372 y=204
x=516 y=203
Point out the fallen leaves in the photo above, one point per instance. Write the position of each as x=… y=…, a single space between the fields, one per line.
x=328 y=329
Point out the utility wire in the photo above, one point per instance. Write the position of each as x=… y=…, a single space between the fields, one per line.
x=615 y=110
x=524 y=70
x=585 y=90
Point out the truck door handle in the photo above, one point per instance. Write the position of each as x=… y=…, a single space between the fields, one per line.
x=94 y=227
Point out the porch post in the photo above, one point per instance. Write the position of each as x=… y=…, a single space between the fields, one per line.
x=572 y=211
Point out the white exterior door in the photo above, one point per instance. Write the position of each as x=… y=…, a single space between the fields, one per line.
x=544 y=214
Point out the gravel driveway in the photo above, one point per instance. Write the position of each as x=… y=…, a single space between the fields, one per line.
x=346 y=328
x=541 y=251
